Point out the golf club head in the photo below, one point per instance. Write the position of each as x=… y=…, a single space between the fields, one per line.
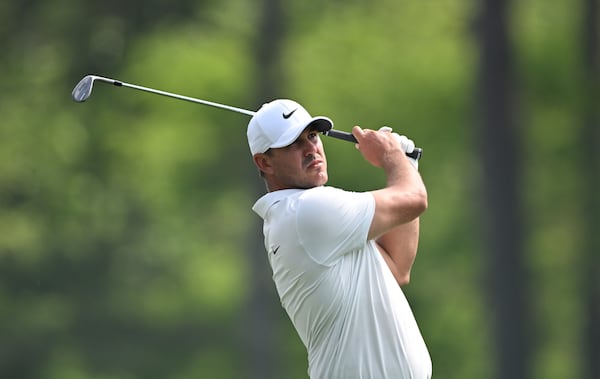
x=83 y=89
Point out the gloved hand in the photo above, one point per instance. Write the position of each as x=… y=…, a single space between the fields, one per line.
x=406 y=144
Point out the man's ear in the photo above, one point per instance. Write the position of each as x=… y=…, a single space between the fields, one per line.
x=263 y=162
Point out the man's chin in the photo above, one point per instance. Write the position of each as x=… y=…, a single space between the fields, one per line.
x=321 y=179
x=318 y=181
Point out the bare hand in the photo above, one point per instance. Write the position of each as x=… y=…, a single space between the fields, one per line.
x=379 y=148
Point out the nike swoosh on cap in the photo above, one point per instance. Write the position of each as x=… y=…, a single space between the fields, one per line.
x=286 y=116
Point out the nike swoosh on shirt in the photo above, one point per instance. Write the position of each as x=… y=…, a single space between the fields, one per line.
x=275 y=250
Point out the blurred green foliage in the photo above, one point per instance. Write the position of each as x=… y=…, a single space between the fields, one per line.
x=125 y=221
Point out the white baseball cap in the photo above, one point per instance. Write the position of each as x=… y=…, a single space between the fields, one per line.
x=279 y=123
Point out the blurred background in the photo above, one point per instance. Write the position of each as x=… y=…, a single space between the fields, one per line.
x=128 y=248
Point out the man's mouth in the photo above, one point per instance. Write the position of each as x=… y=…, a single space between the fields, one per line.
x=315 y=163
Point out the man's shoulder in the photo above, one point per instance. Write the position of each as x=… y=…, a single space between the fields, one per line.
x=309 y=194
x=323 y=191
x=320 y=197
x=266 y=201
x=330 y=199
x=330 y=193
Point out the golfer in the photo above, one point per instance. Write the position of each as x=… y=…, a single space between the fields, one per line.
x=339 y=258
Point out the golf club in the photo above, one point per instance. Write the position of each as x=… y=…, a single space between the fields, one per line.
x=83 y=90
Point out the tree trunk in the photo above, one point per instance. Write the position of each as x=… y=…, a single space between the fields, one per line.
x=264 y=312
x=502 y=216
x=590 y=167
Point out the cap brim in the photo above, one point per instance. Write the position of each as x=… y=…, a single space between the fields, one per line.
x=323 y=124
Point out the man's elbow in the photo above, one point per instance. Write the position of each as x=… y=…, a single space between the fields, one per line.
x=403 y=280
x=422 y=201
x=419 y=203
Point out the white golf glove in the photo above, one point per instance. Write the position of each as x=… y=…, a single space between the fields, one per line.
x=406 y=144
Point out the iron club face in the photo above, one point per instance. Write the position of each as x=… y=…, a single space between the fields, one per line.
x=83 y=89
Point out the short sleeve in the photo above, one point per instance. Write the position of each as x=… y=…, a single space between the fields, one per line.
x=332 y=222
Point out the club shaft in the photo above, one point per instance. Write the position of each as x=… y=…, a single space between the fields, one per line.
x=176 y=96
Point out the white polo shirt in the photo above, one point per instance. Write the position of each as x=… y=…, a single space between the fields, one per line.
x=339 y=293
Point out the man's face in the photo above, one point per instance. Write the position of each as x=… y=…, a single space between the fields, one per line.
x=300 y=165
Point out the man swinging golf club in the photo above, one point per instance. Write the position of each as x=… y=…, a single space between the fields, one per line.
x=339 y=258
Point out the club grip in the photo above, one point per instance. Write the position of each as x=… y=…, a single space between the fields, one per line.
x=415 y=154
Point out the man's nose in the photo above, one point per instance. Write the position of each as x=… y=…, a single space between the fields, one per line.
x=310 y=147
